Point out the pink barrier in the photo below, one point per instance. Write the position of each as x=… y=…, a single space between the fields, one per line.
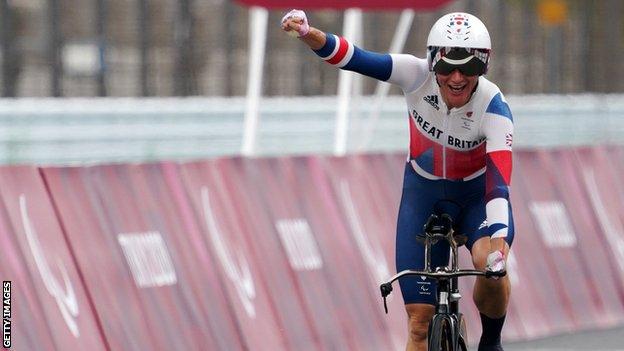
x=140 y=255
x=227 y=212
x=294 y=195
x=607 y=271
x=601 y=232
x=367 y=191
x=533 y=290
x=51 y=307
x=616 y=168
x=284 y=253
x=555 y=254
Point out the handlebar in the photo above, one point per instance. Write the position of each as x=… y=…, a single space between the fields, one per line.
x=438 y=228
x=443 y=274
x=386 y=288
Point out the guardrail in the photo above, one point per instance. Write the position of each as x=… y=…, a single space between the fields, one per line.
x=78 y=131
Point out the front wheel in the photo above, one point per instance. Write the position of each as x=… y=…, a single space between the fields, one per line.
x=447 y=338
x=440 y=335
x=447 y=333
x=463 y=335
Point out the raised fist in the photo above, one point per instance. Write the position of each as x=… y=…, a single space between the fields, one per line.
x=295 y=23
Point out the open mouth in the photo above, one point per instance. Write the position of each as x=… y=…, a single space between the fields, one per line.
x=457 y=89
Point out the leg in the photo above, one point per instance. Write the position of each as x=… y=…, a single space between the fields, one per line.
x=418 y=317
x=419 y=295
x=490 y=296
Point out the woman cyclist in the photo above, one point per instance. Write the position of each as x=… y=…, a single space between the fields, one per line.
x=461 y=132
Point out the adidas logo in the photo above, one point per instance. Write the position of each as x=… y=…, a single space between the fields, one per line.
x=432 y=100
x=483 y=225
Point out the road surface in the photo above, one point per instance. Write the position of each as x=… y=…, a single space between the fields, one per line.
x=600 y=340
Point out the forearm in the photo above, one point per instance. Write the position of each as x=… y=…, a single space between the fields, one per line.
x=315 y=39
x=336 y=50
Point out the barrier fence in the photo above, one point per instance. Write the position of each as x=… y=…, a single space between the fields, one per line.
x=283 y=253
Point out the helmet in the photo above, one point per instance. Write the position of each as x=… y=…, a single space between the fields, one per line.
x=459 y=40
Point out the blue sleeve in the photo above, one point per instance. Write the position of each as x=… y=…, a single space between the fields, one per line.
x=372 y=64
x=341 y=53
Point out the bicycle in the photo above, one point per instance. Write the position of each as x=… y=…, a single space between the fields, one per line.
x=447 y=328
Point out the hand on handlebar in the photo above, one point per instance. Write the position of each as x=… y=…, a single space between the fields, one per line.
x=495 y=263
x=295 y=23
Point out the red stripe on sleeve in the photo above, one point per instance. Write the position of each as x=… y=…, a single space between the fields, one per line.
x=503 y=162
x=343 y=47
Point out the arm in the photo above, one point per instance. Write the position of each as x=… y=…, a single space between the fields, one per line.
x=315 y=38
x=498 y=130
x=406 y=71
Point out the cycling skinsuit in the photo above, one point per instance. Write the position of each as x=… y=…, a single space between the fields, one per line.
x=459 y=159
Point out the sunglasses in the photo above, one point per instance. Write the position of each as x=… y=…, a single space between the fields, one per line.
x=471 y=68
x=469 y=61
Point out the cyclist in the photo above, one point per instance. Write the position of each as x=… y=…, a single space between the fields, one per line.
x=461 y=131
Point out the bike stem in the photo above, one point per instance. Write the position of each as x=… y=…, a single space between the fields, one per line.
x=448 y=290
x=453 y=244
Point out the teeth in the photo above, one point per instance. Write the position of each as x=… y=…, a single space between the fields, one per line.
x=457 y=88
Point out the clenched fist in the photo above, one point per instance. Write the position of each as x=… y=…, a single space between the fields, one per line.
x=295 y=23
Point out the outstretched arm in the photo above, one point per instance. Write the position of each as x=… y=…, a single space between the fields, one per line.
x=406 y=71
x=336 y=50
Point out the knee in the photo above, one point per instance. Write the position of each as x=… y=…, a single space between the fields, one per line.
x=418 y=329
x=418 y=322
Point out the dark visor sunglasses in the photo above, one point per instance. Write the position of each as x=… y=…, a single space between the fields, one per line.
x=472 y=68
x=470 y=62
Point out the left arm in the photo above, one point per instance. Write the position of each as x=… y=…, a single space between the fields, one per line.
x=498 y=129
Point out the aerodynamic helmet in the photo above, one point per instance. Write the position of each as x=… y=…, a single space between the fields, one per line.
x=459 y=41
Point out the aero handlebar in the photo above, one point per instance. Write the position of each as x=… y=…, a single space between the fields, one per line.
x=386 y=288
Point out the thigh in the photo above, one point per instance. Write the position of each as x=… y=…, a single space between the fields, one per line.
x=417 y=202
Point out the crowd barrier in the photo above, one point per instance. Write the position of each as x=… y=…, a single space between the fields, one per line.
x=283 y=253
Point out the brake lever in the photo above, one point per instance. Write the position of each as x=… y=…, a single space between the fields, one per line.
x=386 y=289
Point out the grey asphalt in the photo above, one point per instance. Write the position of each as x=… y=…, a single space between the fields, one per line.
x=597 y=340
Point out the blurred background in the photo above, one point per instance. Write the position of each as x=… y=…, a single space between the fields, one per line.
x=136 y=48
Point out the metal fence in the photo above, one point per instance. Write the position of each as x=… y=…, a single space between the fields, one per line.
x=193 y=47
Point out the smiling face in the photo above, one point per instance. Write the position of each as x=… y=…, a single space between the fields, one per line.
x=456 y=87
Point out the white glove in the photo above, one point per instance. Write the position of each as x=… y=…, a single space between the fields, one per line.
x=495 y=262
x=304 y=27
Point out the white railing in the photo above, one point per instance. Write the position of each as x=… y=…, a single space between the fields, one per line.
x=63 y=131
